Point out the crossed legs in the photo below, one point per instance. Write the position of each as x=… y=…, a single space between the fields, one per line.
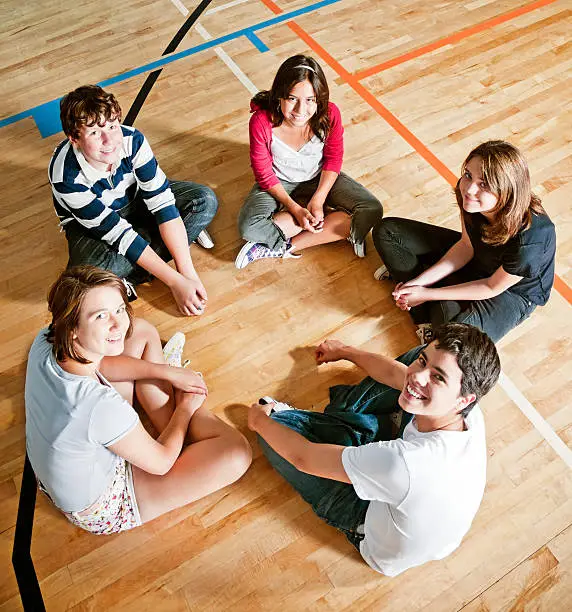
x=216 y=455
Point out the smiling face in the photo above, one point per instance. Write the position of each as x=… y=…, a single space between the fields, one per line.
x=300 y=105
x=101 y=145
x=103 y=324
x=433 y=385
x=476 y=194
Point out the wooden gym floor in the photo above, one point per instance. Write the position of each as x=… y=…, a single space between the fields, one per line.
x=419 y=84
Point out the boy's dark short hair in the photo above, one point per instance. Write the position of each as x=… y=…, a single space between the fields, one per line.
x=476 y=355
x=87 y=105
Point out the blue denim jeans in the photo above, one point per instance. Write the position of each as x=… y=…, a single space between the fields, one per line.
x=197 y=205
x=356 y=415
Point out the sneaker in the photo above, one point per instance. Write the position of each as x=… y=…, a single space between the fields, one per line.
x=424 y=332
x=382 y=273
x=251 y=251
x=131 y=293
x=173 y=350
x=204 y=239
x=278 y=406
x=359 y=248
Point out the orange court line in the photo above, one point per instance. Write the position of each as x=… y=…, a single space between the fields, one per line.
x=383 y=112
x=453 y=38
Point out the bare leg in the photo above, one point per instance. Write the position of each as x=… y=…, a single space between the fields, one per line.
x=337 y=226
x=155 y=396
x=286 y=222
x=218 y=456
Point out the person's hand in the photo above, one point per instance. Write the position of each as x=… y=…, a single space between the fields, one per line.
x=330 y=350
x=255 y=412
x=305 y=219
x=189 y=402
x=190 y=295
x=408 y=296
x=316 y=208
x=187 y=380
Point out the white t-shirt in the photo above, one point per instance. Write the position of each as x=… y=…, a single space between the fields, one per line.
x=425 y=490
x=296 y=166
x=70 y=420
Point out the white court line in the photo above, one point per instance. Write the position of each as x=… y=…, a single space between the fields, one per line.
x=216 y=9
x=232 y=65
x=182 y=8
x=540 y=424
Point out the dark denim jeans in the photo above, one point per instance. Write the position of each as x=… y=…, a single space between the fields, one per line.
x=356 y=415
x=409 y=247
x=197 y=205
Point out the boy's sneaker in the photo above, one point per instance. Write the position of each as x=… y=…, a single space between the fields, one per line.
x=424 y=332
x=130 y=288
x=204 y=239
x=382 y=273
x=359 y=248
x=278 y=406
x=251 y=251
x=173 y=350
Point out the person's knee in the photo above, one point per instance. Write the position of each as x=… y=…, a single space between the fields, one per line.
x=144 y=330
x=210 y=201
x=384 y=231
x=238 y=455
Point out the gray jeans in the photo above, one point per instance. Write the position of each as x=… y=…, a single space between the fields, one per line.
x=256 y=223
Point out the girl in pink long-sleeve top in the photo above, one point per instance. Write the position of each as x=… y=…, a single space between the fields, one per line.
x=301 y=198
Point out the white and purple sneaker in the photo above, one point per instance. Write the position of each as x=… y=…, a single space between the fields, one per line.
x=251 y=251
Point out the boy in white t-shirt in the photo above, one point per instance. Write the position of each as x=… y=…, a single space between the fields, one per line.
x=405 y=501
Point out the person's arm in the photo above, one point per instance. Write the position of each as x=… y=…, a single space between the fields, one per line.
x=383 y=369
x=158 y=456
x=303 y=216
x=317 y=201
x=480 y=289
x=324 y=460
x=185 y=291
x=454 y=259
x=122 y=367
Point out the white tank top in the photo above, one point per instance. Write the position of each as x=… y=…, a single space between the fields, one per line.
x=296 y=166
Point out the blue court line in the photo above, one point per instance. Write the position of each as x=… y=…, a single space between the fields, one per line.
x=47 y=117
x=259 y=44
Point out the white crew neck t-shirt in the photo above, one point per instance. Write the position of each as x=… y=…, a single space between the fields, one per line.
x=425 y=490
x=70 y=422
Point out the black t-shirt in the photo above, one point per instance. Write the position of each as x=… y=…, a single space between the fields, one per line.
x=529 y=254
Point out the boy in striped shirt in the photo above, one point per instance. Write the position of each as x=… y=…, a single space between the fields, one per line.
x=116 y=206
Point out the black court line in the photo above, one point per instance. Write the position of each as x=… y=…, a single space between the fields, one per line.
x=153 y=76
x=28 y=584
x=26 y=577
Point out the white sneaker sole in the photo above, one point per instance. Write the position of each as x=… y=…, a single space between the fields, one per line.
x=204 y=239
x=173 y=349
x=278 y=406
x=381 y=273
x=241 y=260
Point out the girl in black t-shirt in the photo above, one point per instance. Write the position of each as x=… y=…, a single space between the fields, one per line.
x=495 y=271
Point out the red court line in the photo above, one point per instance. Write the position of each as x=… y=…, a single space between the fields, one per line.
x=453 y=38
x=383 y=112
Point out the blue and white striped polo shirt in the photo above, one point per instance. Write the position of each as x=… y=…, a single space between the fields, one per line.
x=92 y=197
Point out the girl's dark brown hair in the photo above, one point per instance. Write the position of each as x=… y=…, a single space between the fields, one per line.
x=65 y=300
x=294 y=70
x=87 y=105
x=506 y=174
